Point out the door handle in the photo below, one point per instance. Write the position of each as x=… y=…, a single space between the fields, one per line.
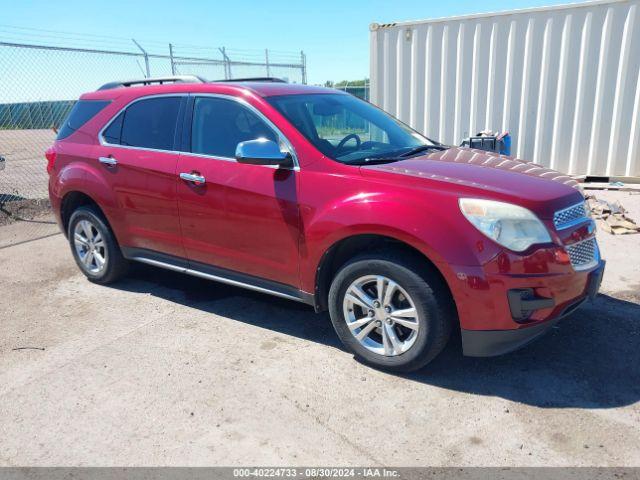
x=108 y=161
x=193 y=177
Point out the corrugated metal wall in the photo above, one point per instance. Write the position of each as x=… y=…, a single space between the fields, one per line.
x=563 y=80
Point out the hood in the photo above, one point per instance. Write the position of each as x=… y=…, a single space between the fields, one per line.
x=495 y=176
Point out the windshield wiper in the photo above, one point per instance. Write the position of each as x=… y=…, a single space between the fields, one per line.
x=373 y=160
x=422 y=148
x=397 y=158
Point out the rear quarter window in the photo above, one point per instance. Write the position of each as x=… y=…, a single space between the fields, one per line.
x=81 y=113
x=114 y=130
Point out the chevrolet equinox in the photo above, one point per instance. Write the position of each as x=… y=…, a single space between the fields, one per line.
x=316 y=196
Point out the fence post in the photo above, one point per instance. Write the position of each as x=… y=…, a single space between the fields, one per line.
x=146 y=58
x=227 y=64
x=173 y=66
x=266 y=59
x=303 y=59
x=30 y=120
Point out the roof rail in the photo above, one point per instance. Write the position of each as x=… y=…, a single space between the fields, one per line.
x=254 y=79
x=159 y=80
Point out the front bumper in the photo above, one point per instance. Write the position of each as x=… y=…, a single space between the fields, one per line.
x=487 y=343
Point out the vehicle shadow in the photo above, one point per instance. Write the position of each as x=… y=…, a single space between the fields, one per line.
x=254 y=308
x=591 y=359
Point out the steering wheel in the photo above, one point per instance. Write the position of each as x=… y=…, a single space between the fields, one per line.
x=342 y=143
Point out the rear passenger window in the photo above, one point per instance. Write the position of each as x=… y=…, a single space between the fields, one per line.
x=81 y=113
x=150 y=123
x=219 y=125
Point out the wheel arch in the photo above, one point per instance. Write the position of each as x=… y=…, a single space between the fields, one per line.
x=80 y=184
x=71 y=201
x=346 y=248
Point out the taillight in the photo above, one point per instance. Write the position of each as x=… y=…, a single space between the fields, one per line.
x=50 y=155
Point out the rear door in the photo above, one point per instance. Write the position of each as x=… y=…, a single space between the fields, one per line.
x=243 y=218
x=137 y=153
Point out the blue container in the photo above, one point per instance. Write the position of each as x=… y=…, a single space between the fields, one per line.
x=505 y=145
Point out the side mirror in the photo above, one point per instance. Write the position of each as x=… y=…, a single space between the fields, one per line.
x=262 y=152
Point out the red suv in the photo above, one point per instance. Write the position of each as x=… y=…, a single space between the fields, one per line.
x=313 y=195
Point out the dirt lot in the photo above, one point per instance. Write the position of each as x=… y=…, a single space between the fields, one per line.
x=23 y=186
x=163 y=369
x=25 y=173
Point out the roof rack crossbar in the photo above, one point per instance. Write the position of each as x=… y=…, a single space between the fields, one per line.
x=254 y=79
x=158 y=80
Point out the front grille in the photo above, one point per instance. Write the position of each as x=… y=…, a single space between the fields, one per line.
x=583 y=254
x=569 y=216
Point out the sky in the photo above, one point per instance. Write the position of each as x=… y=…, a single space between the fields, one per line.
x=333 y=34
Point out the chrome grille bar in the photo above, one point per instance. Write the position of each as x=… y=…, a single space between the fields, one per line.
x=570 y=216
x=584 y=254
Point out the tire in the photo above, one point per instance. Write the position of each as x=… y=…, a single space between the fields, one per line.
x=94 y=231
x=415 y=345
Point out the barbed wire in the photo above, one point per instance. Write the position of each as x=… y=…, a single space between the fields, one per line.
x=60 y=38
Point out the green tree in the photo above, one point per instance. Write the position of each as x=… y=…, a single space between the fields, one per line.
x=352 y=83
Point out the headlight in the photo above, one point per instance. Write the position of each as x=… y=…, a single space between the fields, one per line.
x=509 y=225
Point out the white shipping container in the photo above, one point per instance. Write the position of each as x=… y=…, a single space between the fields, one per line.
x=562 y=80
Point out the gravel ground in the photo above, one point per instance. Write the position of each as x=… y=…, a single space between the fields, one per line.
x=23 y=186
x=25 y=173
x=164 y=369
x=622 y=252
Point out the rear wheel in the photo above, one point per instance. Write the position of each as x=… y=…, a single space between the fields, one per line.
x=388 y=313
x=94 y=246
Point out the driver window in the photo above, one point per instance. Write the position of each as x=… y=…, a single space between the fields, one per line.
x=219 y=125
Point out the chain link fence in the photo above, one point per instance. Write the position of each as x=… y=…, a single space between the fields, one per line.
x=39 y=85
x=360 y=91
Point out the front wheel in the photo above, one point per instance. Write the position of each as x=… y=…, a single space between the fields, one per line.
x=388 y=313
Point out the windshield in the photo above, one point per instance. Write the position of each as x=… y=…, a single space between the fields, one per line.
x=348 y=129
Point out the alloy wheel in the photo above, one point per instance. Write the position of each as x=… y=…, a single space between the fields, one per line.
x=90 y=246
x=381 y=315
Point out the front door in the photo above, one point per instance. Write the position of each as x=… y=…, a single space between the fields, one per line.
x=243 y=218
